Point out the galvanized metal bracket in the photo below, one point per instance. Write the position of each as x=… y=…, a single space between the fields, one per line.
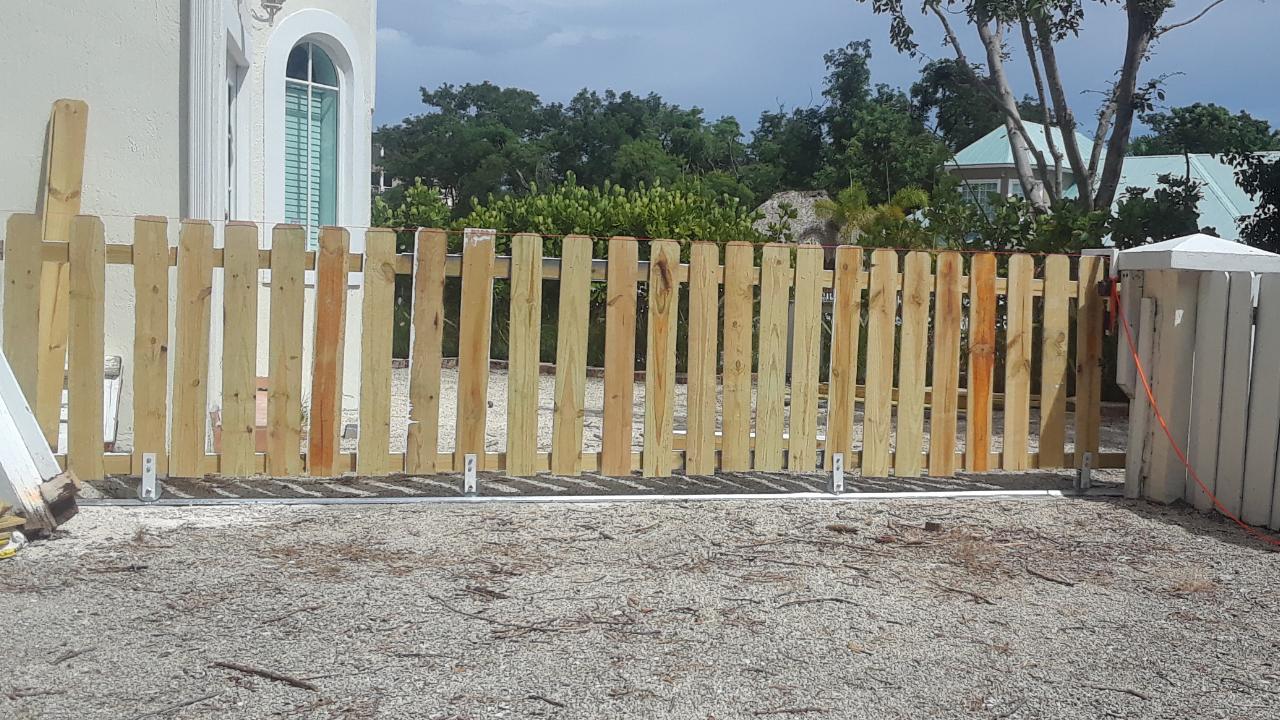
x=837 y=474
x=1084 y=475
x=150 y=489
x=469 y=475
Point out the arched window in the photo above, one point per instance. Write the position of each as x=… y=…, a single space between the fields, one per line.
x=311 y=139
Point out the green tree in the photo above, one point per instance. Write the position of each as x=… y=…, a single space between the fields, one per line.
x=1259 y=175
x=1170 y=211
x=1204 y=128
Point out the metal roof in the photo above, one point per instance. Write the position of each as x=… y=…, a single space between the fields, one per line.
x=993 y=148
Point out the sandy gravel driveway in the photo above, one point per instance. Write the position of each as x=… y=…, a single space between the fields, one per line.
x=780 y=609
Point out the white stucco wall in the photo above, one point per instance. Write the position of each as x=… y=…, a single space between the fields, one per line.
x=126 y=59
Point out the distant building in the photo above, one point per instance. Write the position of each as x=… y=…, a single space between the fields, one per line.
x=987 y=168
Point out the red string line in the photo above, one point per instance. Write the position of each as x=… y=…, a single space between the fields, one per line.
x=1155 y=408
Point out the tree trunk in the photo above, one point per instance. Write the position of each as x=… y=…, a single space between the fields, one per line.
x=1063 y=116
x=1142 y=26
x=1018 y=141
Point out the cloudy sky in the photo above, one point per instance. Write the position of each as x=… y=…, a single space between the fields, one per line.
x=739 y=57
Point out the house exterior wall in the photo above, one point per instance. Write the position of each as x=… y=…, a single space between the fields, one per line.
x=155 y=78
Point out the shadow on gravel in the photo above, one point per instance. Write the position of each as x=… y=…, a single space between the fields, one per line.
x=1210 y=525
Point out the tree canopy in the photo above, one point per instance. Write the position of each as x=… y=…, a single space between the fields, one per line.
x=1204 y=128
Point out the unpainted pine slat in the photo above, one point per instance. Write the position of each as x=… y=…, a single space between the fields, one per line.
x=191 y=349
x=658 y=459
x=877 y=419
x=423 y=441
x=703 y=314
x=22 y=263
x=1206 y=384
x=522 y=354
x=739 y=313
x=775 y=290
x=239 y=349
x=88 y=278
x=945 y=400
x=1089 y=310
x=1264 y=408
x=917 y=284
x=150 y=342
x=284 y=360
x=59 y=203
x=474 y=329
x=846 y=326
x=806 y=345
x=377 y=322
x=982 y=361
x=620 y=357
x=1017 y=363
x=1235 y=393
x=326 y=371
x=571 y=355
x=1054 y=341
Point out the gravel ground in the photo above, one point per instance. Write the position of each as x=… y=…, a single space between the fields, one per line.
x=782 y=609
x=1113 y=432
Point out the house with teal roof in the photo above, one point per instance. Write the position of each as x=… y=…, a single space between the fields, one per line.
x=986 y=168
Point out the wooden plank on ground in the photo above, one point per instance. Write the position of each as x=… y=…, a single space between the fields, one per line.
x=522 y=354
x=22 y=264
x=1017 y=363
x=1235 y=394
x=657 y=459
x=377 y=322
x=703 y=314
x=806 y=339
x=88 y=299
x=846 y=326
x=191 y=349
x=474 y=331
x=982 y=361
x=877 y=418
x=150 y=342
x=59 y=203
x=945 y=400
x=1089 y=312
x=284 y=361
x=239 y=349
x=421 y=446
x=917 y=283
x=571 y=355
x=771 y=389
x=739 y=314
x=326 y=370
x=620 y=357
x=1206 y=384
x=1054 y=342
x=1264 y=408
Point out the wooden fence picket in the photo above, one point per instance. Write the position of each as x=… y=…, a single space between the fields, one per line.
x=326 y=370
x=917 y=285
x=150 y=342
x=877 y=418
x=1264 y=407
x=571 y=355
x=427 y=338
x=1235 y=395
x=846 y=319
x=474 y=328
x=522 y=354
x=703 y=314
x=1055 y=326
x=239 y=349
x=377 y=323
x=657 y=459
x=1017 y=362
x=945 y=400
x=620 y=357
x=1089 y=311
x=771 y=389
x=982 y=361
x=88 y=280
x=188 y=418
x=284 y=361
x=802 y=454
x=739 y=314
x=22 y=268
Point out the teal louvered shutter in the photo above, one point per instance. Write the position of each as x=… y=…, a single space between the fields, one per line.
x=311 y=141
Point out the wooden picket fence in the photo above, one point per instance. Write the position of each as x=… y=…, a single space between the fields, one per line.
x=926 y=316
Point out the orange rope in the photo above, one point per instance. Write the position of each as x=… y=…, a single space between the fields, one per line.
x=1155 y=408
